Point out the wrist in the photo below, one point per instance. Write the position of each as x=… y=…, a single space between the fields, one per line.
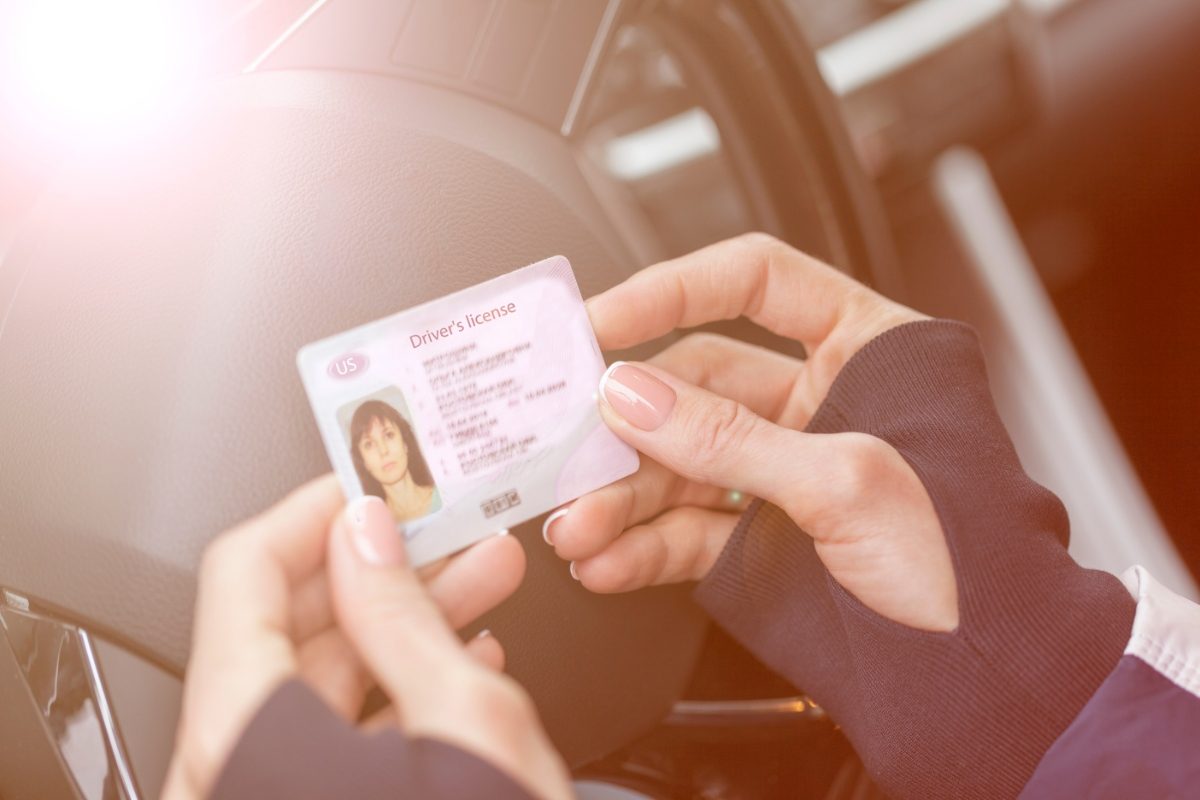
x=971 y=711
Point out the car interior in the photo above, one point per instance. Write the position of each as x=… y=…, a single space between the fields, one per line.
x=1028 y=166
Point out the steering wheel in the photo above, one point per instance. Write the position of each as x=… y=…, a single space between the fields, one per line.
x=374 y=156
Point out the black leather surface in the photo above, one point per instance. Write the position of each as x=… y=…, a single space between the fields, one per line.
x=523 y=55
x=147 y=377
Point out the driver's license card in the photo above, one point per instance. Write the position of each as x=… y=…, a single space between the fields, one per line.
x=471 y=413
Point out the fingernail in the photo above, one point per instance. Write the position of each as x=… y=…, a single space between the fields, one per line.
x=574 y=572
x=640 y=398
x=483 y=634
x=562 y=512
x=373 y=532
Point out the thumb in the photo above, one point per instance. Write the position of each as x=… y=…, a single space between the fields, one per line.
x=707 y=438
x=846 y=488
x=385 y=612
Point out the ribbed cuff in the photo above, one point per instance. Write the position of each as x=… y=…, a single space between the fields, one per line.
x=967 y=713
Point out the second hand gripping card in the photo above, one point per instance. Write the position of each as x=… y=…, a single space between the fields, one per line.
x=471 y=413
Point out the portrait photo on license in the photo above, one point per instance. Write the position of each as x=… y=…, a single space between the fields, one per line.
x=379 y=433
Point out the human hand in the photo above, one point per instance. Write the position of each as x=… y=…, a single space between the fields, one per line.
x=715 y=414
x=842 y=581
x=282 y=597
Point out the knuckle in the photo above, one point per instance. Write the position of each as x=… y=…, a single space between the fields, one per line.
x=765 y=247
x=860 y=461
x=701 y=342
x=217 y=555
x=718 y=428
x=758 y=240
x=498 y=702
x=696 y=353
x=614 y=572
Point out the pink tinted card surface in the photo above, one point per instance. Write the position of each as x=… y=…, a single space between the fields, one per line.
x=471 y=413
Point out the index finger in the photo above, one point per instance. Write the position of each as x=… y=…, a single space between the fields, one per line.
x=293 y=531
x=755 y=275
x=250 y=572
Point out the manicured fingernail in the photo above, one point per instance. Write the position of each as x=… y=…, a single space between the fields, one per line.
x=640 y=398
x=483 y=634
x=557 y=515
x=373 y=532
x=574 y=572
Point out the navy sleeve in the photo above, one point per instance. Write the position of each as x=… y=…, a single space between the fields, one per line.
x=1139 y=735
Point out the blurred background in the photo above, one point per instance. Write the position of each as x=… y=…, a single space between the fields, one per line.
x=1029 y=166
x=1086 y=111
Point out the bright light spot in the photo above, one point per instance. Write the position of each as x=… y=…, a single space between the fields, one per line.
x=96 y=66
x=663 y=145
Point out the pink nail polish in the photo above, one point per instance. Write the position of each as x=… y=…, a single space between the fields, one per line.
x=640 y=398
x=373 y=532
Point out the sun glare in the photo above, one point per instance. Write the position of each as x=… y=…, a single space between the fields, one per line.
x=91 y=66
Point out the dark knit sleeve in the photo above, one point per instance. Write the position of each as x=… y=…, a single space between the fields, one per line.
x=296 y=747
x=962 y=714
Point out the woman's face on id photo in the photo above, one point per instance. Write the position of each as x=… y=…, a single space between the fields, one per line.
x=383 y=452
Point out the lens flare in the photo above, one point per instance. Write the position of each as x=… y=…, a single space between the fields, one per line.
x=85 y=66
